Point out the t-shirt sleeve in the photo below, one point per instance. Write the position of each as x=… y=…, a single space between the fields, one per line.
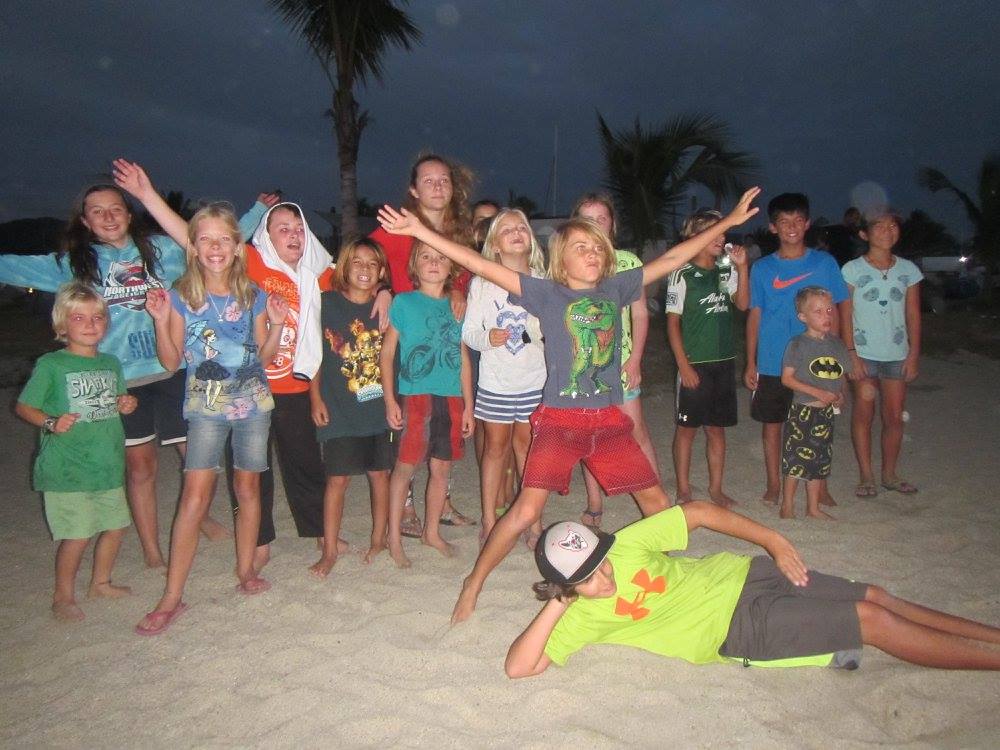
x=533 y=293
x=913 y=273
x=849 y=273
x=791 y=356
x=475 y=327
x=568 y=636
x=259 y=303
x=628 y=284
x=396 y=313
x=36 y=391
x=676 y=289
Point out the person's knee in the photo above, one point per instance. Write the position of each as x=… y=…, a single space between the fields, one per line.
x=141 y=462
x=338 y=482
x=246 y=485
x=495 y=449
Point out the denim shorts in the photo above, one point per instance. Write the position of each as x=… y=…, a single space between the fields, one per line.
x=884 y=370
x=206 y=439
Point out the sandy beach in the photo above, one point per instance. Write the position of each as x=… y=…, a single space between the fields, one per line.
x=367 y=657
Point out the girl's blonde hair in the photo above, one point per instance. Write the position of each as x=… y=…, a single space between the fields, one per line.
x=457 y=224
x=411 y=267
x=560 y=239
x=699 y=221
x=346 y=256
x=536 y=259
x=69 y=297
x=601 y=199
x=191 y=285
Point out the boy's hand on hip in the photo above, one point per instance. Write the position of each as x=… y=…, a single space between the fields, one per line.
x=787 y=558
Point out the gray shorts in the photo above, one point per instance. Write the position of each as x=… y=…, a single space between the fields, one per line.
x=884 y=370
x=774 y=619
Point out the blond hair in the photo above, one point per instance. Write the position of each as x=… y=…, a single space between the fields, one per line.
x=69 y=297
x=560 y=239
x=346 y=256
x=536 y=259
x=699 y=221
x=806 y=293
x=191 y=285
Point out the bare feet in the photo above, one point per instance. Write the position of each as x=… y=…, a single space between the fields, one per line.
x=107 y=590
x=722 y=499
x=820 y=514
x=439 y=544
x=214 y=530
x=826 y=498
x=399 y=557
x=683 y=497
x=67 y=611
x=786 y=512
x=373 y=550
x=466 y=603
x=771 y=498
x=322 y=568
x=342 y=545
x=252 y=586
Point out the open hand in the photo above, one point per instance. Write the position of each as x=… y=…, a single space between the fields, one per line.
x=127 y=404
x=738 y=255
x=269 y=199
x=277 y=309
x=743 y=210
x=381 y=309
x=158 y=304
x=132 y=178
x=788 y=560
x=398 y=222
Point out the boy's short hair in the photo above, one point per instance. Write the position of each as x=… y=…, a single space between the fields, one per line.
x=411 y=267
x=346 y=255
x=699 y=221
x=559 y=240
x=876 y=214
x=787 y=203
x=806 y=293
x=68 y=298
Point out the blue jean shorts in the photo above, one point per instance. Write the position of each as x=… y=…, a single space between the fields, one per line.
x=206 y=439
x=884 y=370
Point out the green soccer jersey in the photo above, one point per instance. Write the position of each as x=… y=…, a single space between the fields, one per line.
x=704 y=300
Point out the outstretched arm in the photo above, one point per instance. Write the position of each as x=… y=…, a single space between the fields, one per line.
x=703 y=514
x=681 y=253
x=405 y=223
x=132 y=178
x=526 y=656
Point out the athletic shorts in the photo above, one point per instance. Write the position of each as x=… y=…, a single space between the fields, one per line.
x=713 y=402
x=352 y=455
x=506 y=408
x=207 y=441
x=774 y=619
x=80 y=515
x=884 y=370
x=601 y=438
x=432 y=427
x=771 y=400
x=807 y=442
x=160 y=412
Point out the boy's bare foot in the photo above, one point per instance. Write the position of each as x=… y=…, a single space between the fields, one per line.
x=261 y=557
x=771 y=498
x=399 y=557
x=820 y=514
x=786 y=512
x=107 y=590
x=722 y=499
x=155 y=562
x=373 y=550
x=439 y=544
x=342 y=545
x=322 y=568
x=825 y=498
x=252 y=586
x=67 y=611
x=466 y=603
x=214 y=530
x=682 y=497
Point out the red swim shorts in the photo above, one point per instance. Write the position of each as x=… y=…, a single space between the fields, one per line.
x=432 y=426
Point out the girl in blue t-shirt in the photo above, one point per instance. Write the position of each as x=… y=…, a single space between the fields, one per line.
x=217 y=322
x=434 y=388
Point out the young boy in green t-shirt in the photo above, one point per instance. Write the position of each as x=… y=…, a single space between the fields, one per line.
x=75 y=396
x=700 y=298
x=771 y=611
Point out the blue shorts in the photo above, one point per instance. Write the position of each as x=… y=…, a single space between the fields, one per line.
x=502 y=408
x=206 y=440
x=884 y=370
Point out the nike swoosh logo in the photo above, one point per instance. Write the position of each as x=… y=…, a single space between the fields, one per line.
x=779 y=284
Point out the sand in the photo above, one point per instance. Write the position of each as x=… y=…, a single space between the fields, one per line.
x=367 y=657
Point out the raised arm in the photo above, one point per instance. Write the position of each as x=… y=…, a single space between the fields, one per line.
x=132 y=178
x=405 y=223
x=681 y=253
x=702 y=514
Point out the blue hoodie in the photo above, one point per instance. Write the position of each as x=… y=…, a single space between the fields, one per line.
x=131 y=336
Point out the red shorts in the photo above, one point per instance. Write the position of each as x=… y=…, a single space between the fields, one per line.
x=432 y=426
x=601 y=438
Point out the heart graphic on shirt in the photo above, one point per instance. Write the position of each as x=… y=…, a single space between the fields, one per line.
x=513 y=323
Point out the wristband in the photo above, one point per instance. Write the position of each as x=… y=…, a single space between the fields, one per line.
x=49 y=425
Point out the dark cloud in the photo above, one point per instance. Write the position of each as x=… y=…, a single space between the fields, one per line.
x=220 y=99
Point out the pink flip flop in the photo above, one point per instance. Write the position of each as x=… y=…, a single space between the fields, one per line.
x=160 y=621
x=256 y=585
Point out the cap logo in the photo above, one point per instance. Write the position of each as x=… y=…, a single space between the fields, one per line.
x=573 y=542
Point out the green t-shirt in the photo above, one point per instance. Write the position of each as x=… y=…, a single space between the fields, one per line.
x=672 y=606
x=704 y=300
x=91 y=455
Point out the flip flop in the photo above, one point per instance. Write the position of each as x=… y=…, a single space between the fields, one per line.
x=160 y=621
x=865 y=489
x=901 y=486
x=595 y=519
x=454 y=518
x=411 y=527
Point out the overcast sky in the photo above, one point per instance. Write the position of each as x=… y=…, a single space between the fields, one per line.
x=221 y=100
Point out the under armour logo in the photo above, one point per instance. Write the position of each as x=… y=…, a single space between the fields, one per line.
x=634 y=608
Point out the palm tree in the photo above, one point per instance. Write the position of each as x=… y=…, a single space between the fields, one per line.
x=349 y=38
x=985 y=217
x=649 y=172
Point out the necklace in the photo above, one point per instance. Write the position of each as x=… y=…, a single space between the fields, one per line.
x=224 y=306
x=883 y=271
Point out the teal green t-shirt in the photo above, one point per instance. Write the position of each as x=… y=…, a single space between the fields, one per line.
x=91 y=454
x=430 y=345
x=672 y=606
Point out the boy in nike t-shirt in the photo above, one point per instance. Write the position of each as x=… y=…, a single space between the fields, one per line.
x=774 y=281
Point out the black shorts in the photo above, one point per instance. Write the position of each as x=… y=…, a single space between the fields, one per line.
x=771 y=400
x=160 y=412
x=350 y=456
x=713 y=402
x=774 y=619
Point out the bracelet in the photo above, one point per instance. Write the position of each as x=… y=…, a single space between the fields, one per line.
x=852 y=349
x=49 y=425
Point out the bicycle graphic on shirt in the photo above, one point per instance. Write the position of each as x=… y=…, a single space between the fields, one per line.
x=441 y=348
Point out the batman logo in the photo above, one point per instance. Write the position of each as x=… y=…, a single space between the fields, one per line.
x=806 y=454
x=826 y=368
x=797 y=471
x=820 y=430
x=796 y=433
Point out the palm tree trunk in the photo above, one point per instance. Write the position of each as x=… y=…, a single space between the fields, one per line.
x=348 y=127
